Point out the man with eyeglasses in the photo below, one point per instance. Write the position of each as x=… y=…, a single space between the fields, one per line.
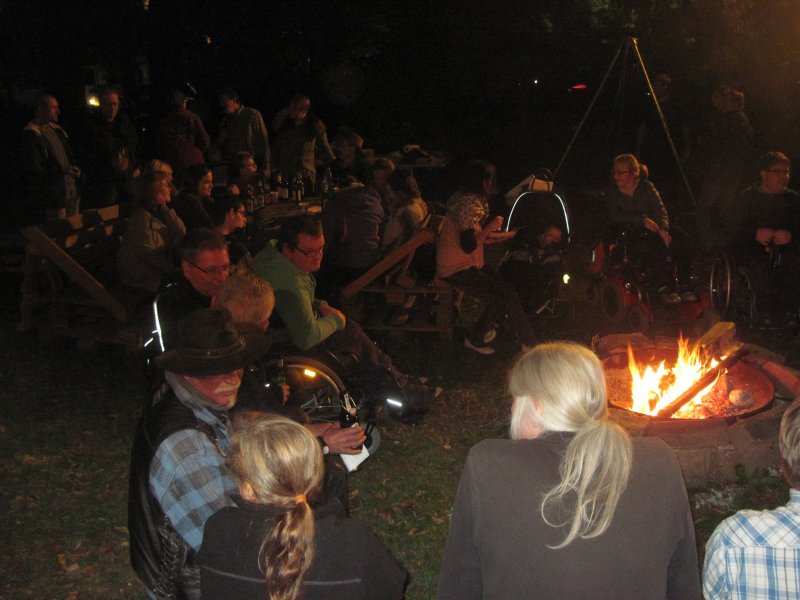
x=205 y=266
x=288 y=263
x=768 y=242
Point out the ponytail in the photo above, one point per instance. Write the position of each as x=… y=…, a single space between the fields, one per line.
x=560 y=386
x=287 y=552
x=281 y=463
x=594 y=474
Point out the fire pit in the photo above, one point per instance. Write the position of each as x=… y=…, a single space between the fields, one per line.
x=732 y=420
x=735 y=392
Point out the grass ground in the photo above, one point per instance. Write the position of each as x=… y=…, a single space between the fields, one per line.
x=66 y=425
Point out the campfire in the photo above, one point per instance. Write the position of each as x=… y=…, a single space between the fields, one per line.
x=654 y=390
x=688 y=383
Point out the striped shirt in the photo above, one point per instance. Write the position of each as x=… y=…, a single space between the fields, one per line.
x=755 y=555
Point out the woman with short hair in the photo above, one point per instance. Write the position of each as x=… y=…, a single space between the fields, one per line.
x=277 y=543
x=570 y=506
x=146 y=258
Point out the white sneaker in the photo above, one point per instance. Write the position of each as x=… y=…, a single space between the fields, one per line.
x=485 y=350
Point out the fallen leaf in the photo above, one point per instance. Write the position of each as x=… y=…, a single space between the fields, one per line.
x=407 y=504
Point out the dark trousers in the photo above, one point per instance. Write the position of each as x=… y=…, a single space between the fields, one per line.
x=501 y=297
x=354 y=341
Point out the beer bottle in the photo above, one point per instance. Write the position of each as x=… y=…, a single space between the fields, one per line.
x=283 y=187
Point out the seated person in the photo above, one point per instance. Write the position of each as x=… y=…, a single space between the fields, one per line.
x=246 y=177
x=275 y=542
x=205 y=267
x=635 y=207
x=378 y=179
x=754 y=554
x=535 y=266
x=195 y=199
x=146 y=261
x=460 y=262
x=409 y=211
x=250 y=300
x=349 y=161
x=768 y=242
x=352 y=223
x=229 y=218
x=564 y=509
x=179 y=475
x=288 y=263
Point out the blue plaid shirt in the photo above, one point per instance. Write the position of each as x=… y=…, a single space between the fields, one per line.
x=190 y=479
x=755 y=555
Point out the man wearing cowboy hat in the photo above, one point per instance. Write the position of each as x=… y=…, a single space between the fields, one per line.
x=178 y=474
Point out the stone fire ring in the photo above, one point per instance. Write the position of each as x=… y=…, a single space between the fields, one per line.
x=709 y=450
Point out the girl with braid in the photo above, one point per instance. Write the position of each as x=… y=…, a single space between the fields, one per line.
x=278 y=543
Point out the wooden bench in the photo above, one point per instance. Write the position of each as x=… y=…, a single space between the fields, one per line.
x=388 y=296
x=69 y=276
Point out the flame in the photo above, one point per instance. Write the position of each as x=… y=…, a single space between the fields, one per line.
x=653 y=389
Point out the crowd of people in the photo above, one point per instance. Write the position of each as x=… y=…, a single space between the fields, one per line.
x=233 y=493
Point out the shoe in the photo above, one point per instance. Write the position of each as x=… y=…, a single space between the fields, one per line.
x=485 y=350
x=669 y=296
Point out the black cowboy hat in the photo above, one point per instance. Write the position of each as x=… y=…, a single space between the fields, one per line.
x=209 y=344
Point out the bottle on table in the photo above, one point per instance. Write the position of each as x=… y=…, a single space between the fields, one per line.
x=296 y=191
x=327 y=191
x=283 y=187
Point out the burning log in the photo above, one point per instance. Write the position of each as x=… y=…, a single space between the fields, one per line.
x=704 y=381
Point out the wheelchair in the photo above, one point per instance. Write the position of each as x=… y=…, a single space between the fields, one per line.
x=534 y=257
x=622 y=281
x=732 y=291
x=321 y=386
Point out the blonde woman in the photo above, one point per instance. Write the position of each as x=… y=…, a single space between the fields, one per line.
x=570 y=506
x=273 y=544
x=146 y=258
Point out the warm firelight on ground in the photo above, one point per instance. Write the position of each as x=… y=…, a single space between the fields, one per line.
x=653 y=389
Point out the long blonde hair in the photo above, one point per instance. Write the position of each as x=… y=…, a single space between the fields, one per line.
x=560 y=386
x=281 y=462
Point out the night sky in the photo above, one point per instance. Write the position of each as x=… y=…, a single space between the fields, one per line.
x=482 y=78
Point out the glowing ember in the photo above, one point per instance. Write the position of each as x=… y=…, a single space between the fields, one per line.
x=653 y=389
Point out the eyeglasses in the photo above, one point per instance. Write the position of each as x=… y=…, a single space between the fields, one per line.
x=215 y=270
x=315 y=253
x=779 y=171
x=621 y=172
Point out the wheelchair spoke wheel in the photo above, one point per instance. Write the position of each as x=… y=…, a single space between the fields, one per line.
x=721 y=284
x=638 y=320
x=612 y=300
x=314 y=387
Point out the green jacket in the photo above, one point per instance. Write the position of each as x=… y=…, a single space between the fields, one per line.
x=294 y=301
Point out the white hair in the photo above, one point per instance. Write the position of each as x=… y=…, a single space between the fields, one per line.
x=560 y=386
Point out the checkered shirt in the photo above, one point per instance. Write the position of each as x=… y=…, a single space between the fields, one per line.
x=755 y=555
x=190 y=479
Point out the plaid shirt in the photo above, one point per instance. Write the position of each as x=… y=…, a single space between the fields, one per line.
x=755 y=555
x=190 y=479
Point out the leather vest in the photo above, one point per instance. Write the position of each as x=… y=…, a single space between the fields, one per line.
x=159 y=556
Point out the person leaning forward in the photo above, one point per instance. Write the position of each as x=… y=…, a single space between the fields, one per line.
x=178 y=474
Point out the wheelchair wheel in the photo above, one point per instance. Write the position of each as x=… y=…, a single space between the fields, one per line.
x=612 y=300
x=721 y=284
x=638 y=320
x=315 y=388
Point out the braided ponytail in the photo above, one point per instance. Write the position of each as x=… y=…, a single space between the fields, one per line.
x=281 y=462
